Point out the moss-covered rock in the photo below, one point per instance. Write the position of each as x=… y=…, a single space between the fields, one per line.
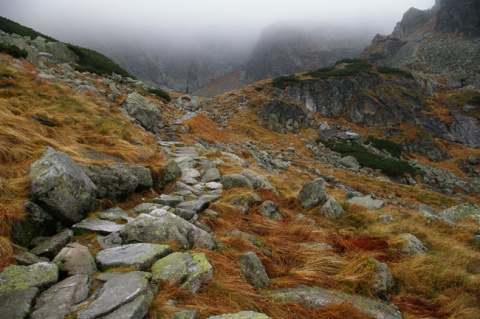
x=18 y=278
x=190 y=271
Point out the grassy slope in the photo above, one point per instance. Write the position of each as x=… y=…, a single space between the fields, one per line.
x=445 y=283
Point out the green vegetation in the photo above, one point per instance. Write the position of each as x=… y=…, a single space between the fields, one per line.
x=161 y=93
x=393 y=148
x=12 y=27
x=391 y=167
x=94 y=62
x=475 y=99
x=374 y=57
x=394 y=71
x=13 y=51
x=283 y=81
x=353 y=67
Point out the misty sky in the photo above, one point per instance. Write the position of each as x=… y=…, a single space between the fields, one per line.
x=68 y=20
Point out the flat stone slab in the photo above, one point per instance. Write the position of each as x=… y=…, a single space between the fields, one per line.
x=96 y=225
x=17 y=304
x=52 y=246
x=317 y=298
x=140 y=256
x=168 y=200
x=187 y=210
x=18 y=278
x=117 y=292
x=368 y=202
x=114 y=214
x=56 y=302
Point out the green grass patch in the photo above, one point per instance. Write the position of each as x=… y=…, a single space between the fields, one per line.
x=394 y=71
x=160 y=93
x=283 y=81
x=13 y=50
x=390 y=167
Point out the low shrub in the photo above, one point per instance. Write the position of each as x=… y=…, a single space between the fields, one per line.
x=374 y=57
x=393 y=148
x=160 y=93
x=13 y=51
x=394 y=71
x=353 y=67
x=13 y=27
x=390 y=167
x=283 y=81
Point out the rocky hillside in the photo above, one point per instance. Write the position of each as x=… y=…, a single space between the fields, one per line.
x=443 y=41
x=347 y=192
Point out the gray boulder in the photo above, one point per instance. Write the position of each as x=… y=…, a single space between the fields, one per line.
x=332 y=209
x=350 y=162
x=317 y=298
x=259 y=181
x=37 y=222
x=236 y=180
x=170 y=172
x=96 y=225
x=269 y=209
x=312 y=194
x=253 y=270
x=168 y=200
x=109 y=241
x=75 y=259
x=413 y=245
x=241 y=315
x=57 y=301
x=384 y=283
x=17 y=304
x=117 y=292
x=212 y=175
x=368 y=202
x=18 y=278
x=165 y=227
x=187 y=210
x=52 y=246
x=145 y=113
x=117 y=182
x=189 y=271
x=140 y=256
x=61 y=188
x=27 y=259
x=136 y=309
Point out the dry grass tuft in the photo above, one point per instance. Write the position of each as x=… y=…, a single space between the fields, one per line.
x=204 y=128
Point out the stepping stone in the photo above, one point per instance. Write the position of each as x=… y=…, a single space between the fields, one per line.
x=141 y=256
x=18 y=278
x=75 y=259
x=96 y=225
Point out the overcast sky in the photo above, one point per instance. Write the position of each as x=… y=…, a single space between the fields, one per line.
x=68 y=19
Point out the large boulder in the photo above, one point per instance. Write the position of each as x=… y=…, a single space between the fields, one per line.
x=189 y=271
x=413 y=245
x=117 y=182
x=317 y=298
x=61 y=188
x=164 y=227
x=18 y=278
x=57 y=301
x=312 y=194
x=236 y=180
x=145 y=113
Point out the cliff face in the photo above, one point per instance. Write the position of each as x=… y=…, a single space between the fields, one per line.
x=443 y=41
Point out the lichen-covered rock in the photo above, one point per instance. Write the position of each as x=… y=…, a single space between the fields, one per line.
x=164 y=227
x=52 y=246
x=117 y=292
x=332 y=209
x=75 y=259
x=17 y=304
x=17 y=278
x=140 y=256
x=253 y=270
x=461 y=212
x=61 y=188
x=317 y=298
x=236 y=180
x=57 y=301
x=170 y=172
x=117 y=182
x=144 y=112
x=242 y=315
x=136 y=309
x=269 y=209
x=189 y=271
x=312 y=194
